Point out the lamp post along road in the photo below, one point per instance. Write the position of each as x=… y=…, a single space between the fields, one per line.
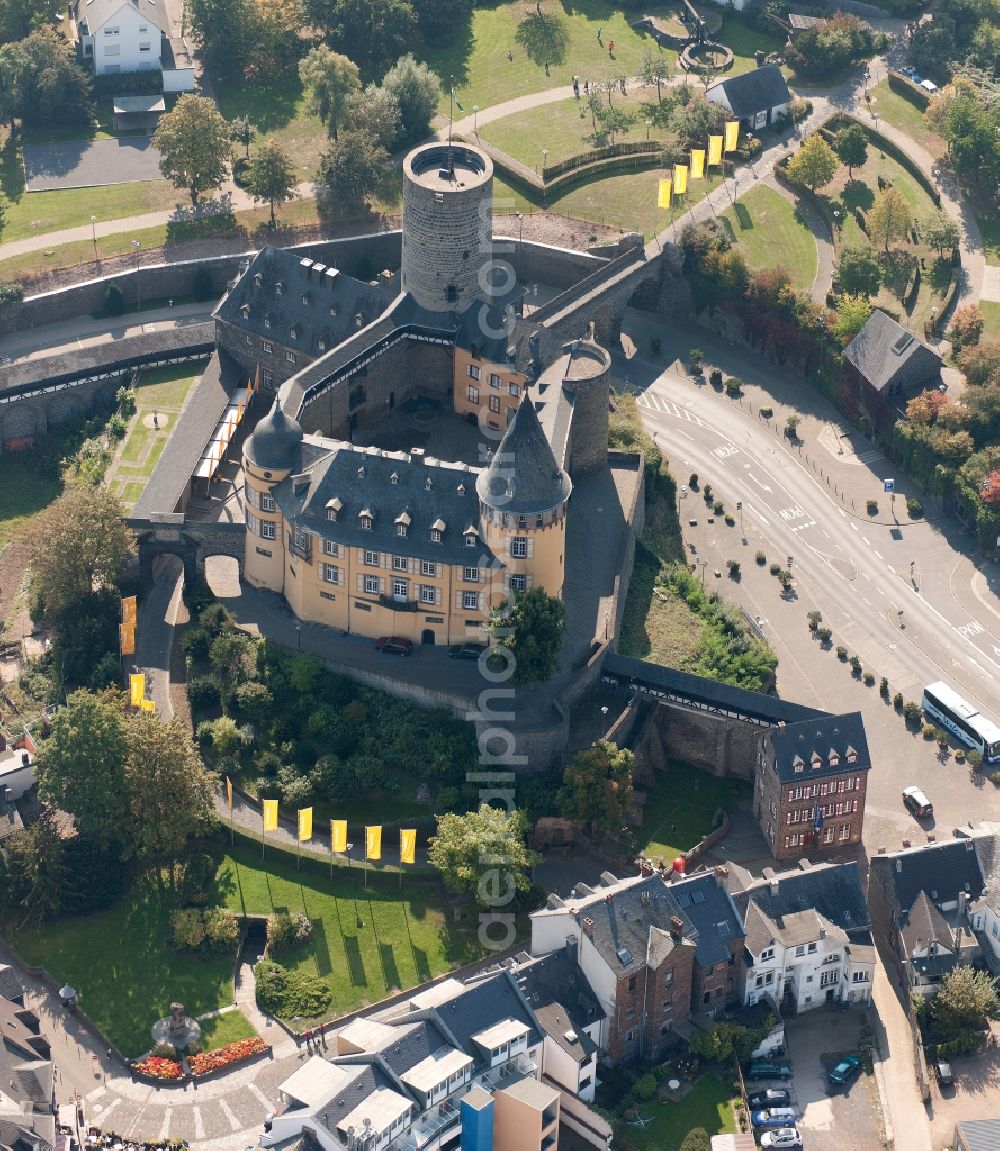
x=138 y=287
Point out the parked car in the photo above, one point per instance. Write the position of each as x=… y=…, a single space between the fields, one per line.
x=846 y=1070
x=907 y=70
x=766 y=1069
x=466 y=651
x=773 y=1097
x=393 y=645
x=944 y=1073
x=916 y=78
x=928 y=85
x=773 y=1117
x=916 y=802
x=783 y=1137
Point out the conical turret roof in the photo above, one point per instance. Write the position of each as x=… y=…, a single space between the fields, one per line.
x=523 y=476
x=276 y=440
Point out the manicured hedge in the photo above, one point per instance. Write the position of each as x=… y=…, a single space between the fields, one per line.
x=904 y=86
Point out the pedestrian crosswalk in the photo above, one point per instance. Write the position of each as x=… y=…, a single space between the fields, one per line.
x=651 y=402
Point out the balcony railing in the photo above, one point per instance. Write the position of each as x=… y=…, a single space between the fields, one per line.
x=300 y=548
x=509 y=1073
x=394 y=604
x=429 y=1126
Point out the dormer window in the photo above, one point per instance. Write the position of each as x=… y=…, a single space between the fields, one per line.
x=470 y=540
x=852 y=755
x=245 y=311
x=334 y=508
x=321 y=344
x=267 y=321
x=258 y=279
x=815 y=760
x=295 y=331
x=798 y=763
x=435 y=536
x=437 y=531
x=394 y=478
x=461 y=489
x=279 y=289
x=833 y=758
x=366 y=521
x=306 y=299
x=361 y=472
x=333 y=309
x=428 y=484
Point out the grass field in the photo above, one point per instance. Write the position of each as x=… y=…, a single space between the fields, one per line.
x=223 y=1029
x=708 y=1105
x=744 y=41
x=905 y=116
x=991 y=314
x=121 y=963
x=24 y=491
x=278 y=111
x=477 y=62
x=365 y=941
x=679 y=810
x=989 y=228
x=663 y=631
x=771 y=234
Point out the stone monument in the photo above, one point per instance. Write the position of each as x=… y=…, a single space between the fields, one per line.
x=178 y=1029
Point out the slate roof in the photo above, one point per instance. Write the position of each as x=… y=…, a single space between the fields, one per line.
x=10 y=986
x=411 y=1043
x=483 y=1004
x=940 y=869
x=336 y=477
x=16 y=1034
x=756 y=91
x=562 y=1000
x=275 y=441
x=97 y=13
x=15 y=1136
x=838 y=733
x=885 y=353
x=34 y=1081
x=205 y=404
x=923 y=925
x=833 y=890
x=980 y=1134
x=799 y=22
x=523 y=476
x=320 y=304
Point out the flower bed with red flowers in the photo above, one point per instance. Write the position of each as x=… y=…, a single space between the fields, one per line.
x=226 y=1056
x=157 y=1068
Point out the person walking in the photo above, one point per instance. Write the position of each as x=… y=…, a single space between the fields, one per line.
x=599 y=31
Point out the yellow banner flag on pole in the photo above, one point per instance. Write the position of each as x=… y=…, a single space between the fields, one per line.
x=732 y=135
x=229 y=792
x=148 y=705
x=663 y=193
x=373 y=843
x=697 y=163
x=126 y=638
x=714 y=150
x=129 y=610
x=270 y=813
x=408 y=845
x=680 y=178
x=338 y=835
x=136 y=689
x=305 y=824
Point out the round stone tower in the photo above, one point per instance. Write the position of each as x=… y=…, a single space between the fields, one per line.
x=272 y=451
x=447 y=224
x=588 y=377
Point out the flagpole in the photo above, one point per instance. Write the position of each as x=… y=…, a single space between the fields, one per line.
x=262 y=830
x=298 y=854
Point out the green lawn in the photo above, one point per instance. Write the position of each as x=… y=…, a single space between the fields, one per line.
x=679 y=809
x=772 y=234
x=365 y=941
x=223 y=1029
x=989 y=228
x=906 y=116
x=662 y=630
x=708 y=1105
x=991 y=314
x=278 y=110
x=563 y=128
x=478 y=66
x=24 y=491
x=737 y=35
x=131 y=491
x=167 y=387
x=126 y=972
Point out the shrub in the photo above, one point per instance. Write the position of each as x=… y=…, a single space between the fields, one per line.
x=766 y=413
x=873 y=507
x=285 y=930
x=914 y=508
x=693 y=481
x=202 y=288
x=775 y=569
x=195 y=642
x=911 y=713
x=824 y=635
x=761 y=559
x=114 y=300
x=883 y=688
x=715 y=378
x=734 y=568
x=734 y=387
x=11 y=292
x=288 y=993
x=202 y=1064
x=995 y=779
x=196 y=879
x=696 y=1140
x=927 y=730
x=203 y=692
x=841 y=653
x=730 y=520
x=203 y=732
x=211 y=929
x=718 y=507
x=815 y=618
x=897 y=701
x=164 y=1051
x=869 y=678
x=707 y=495
x=974 y=759
x=695 y=359
x=960 y=755
x=855 y=664
x=645 y=1089
x=252 y=700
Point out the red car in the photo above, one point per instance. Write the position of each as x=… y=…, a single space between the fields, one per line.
x=393 y=645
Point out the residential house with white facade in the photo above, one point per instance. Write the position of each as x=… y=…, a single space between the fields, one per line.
x=121 y=35
x=807 y=935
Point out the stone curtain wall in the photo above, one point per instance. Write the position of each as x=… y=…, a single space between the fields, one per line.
x=722 y=746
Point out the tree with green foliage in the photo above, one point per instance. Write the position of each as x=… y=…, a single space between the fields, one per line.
x=77 y=548
x=727 y=1041
x=858 y=270
x=695 y=119
x=531 y=626
x=42 y=83
x=38 y=854
x=329 y=80
x=853 y=312
x=889 y=218
x=544 y=38
x=271 y=176
x=814 y=164
x=963 y=1006
x=416 y=90
x=169 y=791
x=373 y=33
x=375 y=111
x=655 y=69
x=19 y=18
x=483 y=854
x=81 y=765
x=852 y=148
x=440 y=21
x=612 y=121
x=597 y=786
x=226 y=32
x=242 y=132
x=697 y=1139
x=941 y=232
x=350 y=170
x=194 y=145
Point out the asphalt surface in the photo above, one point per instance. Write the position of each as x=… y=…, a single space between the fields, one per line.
x=90 y=163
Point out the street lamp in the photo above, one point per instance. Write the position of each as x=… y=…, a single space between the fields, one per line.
x=648 y=124
x=138 y=288
x=836 y=218
x=545 y=161
x=93 y=233
x=750 y=142
x=475 y=119
x=875 y=118
x=703 y=564
x=298 y=636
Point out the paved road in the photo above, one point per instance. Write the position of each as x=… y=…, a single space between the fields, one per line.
x=90 y=163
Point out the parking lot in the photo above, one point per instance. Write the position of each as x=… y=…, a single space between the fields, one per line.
x=850 y=1118
x=974 y=1095
x=90 y=163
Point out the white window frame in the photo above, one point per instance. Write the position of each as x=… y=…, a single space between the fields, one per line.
x=371 y=585
x=519 y=547
x=470 y=601
x=331 y=548
x=371 y=558
x=266 y=502
x=474 y=372
x=330 y=573
x=268 y=529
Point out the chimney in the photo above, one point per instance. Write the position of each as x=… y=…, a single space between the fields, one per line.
x=571 y=946
x=899 y=866
x=804 y=864
x=775 y=887
x=588 y=927
x=721 y=874
x=417 y=455
x=676 y=926
x=963 y=902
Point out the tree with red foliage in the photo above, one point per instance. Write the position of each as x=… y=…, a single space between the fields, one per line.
x=990 y=491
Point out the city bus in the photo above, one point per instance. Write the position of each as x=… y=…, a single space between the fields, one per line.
x=945 y=706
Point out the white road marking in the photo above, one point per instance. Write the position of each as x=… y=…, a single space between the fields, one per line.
x=165 y=1126
x=255 y=1090
x=970 y=629
x=234 y=1123
x=199 y=1125
x=878 y=555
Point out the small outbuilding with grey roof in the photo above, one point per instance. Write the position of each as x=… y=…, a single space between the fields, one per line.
x=756 y=98
x=977 y=1135
x=890 y=362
